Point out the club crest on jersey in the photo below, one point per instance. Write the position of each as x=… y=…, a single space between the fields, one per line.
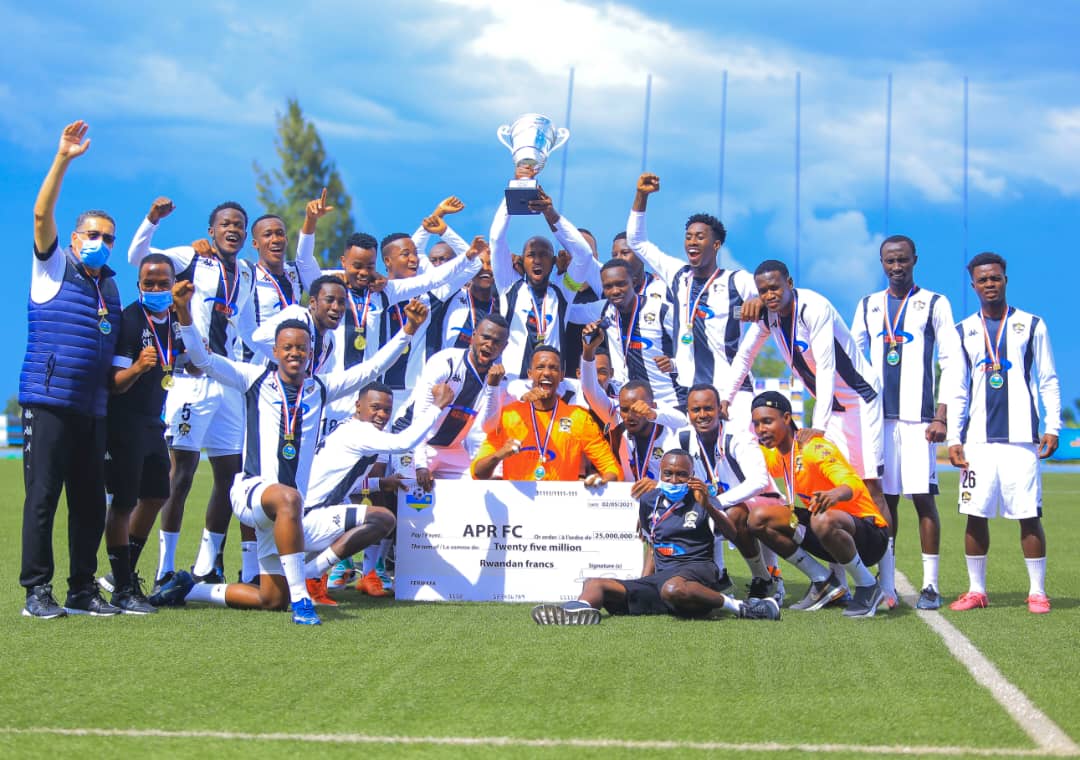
x=918 y=305
x=657 y=452
x=965 y=496
x=565 y=424
x=690 y=520
x=1019 y=327
x=183 y=429
x=649 y=318
x=406 y=460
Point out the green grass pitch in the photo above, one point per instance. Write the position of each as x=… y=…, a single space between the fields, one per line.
x=381 y=668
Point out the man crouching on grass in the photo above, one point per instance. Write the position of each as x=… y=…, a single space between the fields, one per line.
x=680 y=575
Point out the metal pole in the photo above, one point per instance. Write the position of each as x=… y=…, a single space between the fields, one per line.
x=566 y=148
x=963 y=264
x=723 y=135
x=645 y=132
x=798 y=138
x=888 y=149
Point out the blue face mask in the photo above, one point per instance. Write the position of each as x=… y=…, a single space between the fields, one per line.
x=94 y=253
x=674 y=491
x=156 y=301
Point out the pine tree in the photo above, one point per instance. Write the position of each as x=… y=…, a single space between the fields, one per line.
x=305 y=171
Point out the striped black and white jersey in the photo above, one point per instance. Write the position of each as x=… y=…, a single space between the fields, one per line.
x=821 y=351
x=734 y=464
x=453 y=320
x=1004 y=409
x=269 y=402
x=921 y=327
x=275 y=292
x=323 y=359
x=475 y=402
x=345 y=457
x=637 y=340
x=221 y=307
x=537 y=317
x=708 y=339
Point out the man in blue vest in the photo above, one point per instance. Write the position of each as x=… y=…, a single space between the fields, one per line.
x=73 y=314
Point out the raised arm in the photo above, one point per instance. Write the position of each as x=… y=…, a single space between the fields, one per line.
x=140 y=244
x=71 y=147
x=605 y=408
x=306 y=264
x=665 y=266
x=339 y=384
x=502 y=263
x=236 y=374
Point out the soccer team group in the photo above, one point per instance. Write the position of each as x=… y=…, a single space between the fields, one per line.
x=468 y=361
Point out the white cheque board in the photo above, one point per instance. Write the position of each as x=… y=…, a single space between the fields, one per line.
x=508 y=541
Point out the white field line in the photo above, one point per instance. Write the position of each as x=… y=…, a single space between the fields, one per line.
x=1046 y=734
x=508 y=741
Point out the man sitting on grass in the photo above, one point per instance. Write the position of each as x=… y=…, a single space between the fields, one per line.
x=681 y=577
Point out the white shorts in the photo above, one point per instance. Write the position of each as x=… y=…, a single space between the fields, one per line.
x=1001 y=479
x=447 y=462
x=321 y=526
x=202 y=413
x=910 y=460
x=858 y=433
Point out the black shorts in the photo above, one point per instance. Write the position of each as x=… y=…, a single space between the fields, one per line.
x=137 y=464
x=643 y=594
x=871 y=541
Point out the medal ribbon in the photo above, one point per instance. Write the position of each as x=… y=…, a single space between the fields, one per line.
x=641 y=468
x=654 y=520
x=282 y=300
x=542 y=447
x=892 y=327
x=475 y=372
x=472 y=310
x=540 y=312
x=691 y=312
x=789 y=474
x=327 y=350
x=628 y=337
x=289 y=417
x=165 y=358
x=709 y=469
x=993 y=352
x=360 y=318
x=230 y=296
x=794 y=320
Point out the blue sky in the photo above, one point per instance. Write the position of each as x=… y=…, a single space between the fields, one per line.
x=407 y=97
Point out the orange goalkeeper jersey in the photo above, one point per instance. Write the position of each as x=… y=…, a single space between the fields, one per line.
x=819 y=466
x=574 y=434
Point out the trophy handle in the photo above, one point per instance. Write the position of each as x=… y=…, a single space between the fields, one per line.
x=503 y=133
x=562 y=134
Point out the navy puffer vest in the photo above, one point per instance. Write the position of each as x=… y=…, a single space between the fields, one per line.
x=68 y=358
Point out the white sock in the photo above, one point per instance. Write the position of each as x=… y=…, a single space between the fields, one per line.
x=930 y=571
x=249 y=561
x=887 y=569
x=841 y=573
x=810 y=567
x=732 y=605
x=293 y=565
x=976 y=567
x=718 y=553
x=859 y=573
x=167 y=552
x=316 y=567
x=770 y=557
x=1036 y=575
x=211 y=593
x=757 y=566
x=384 y=548
x=208 y=551
x=371 y=556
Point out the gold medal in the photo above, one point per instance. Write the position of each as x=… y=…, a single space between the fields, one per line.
x=359 y=343
x=365 y=500
x=793 y=519
x=167 y=381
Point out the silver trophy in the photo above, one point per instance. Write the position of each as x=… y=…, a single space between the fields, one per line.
x=530 y=140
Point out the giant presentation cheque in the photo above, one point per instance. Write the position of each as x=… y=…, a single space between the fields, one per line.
x=507 y=541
